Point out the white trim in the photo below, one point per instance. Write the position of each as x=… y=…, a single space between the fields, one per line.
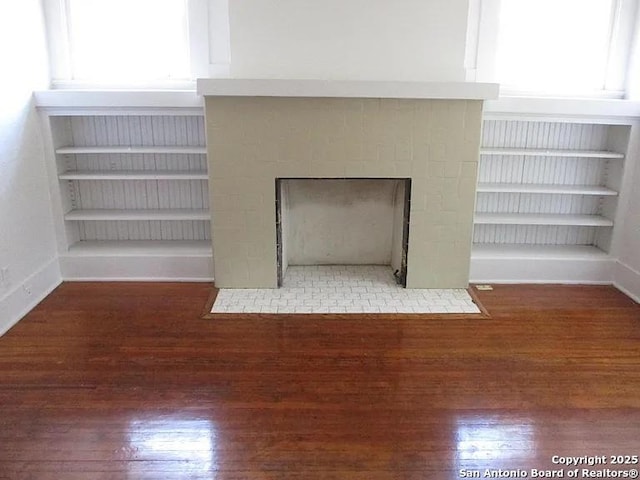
x=148 y=268
x=132 y=150
x=541 y=152
x=219 y=41
x=117 y=99
x=633 y=67
x=621 y=44
x=57 y=38
x=142 y=279
x=119 y=111
x=627 y=280
x=557 y=189
x=487 y=42
x=346 y=89
x=541 y=219
x=471 y=43
x=102 y=175
x=620 y=111
x=146 y=85
x=596 y=270
x=140 y=248
x=104 y=214
x=503 y=251
x=18 y=302
x=198 y=31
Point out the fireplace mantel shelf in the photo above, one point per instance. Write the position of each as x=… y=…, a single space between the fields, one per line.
x=346 y=89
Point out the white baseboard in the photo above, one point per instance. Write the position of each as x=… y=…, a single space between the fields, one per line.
x=627 y=280
x=24 y=297
x=597 y=271
x=114 y=268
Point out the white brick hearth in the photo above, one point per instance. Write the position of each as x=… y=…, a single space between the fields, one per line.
x=343 y=289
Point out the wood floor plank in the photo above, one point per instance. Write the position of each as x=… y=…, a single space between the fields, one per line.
x=126 y=380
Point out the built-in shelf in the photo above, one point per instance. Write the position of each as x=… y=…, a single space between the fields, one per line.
x=541 y=219
x=545 y=188
x=534 y=152
x=148 y=248
x=187 y=150
x=130 y=215
x=135 y=175
x=522 y=251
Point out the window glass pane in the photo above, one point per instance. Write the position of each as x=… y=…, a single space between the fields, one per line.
x=554 y=45
x=119 y=41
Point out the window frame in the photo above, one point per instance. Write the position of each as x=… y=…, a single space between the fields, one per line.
x=208 y=50
x=482 y=43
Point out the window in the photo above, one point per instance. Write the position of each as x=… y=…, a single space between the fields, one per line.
x=128 y=43
x=565 y=47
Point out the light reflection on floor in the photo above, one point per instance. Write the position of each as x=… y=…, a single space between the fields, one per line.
x=491 y=438
x=188 y=442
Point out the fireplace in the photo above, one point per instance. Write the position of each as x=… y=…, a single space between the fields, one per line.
x=330 y=221
x=262 y=132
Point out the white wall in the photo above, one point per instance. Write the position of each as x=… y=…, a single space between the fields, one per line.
x=349 y=39
x=28 y=264
x=627 y=273
x=630 y=248
x=633 y=72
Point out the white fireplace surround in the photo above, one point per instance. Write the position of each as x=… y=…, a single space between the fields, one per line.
x=261 y=130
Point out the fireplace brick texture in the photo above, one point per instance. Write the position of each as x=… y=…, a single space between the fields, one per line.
x=251 y=141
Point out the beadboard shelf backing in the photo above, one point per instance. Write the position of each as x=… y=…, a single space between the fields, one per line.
x=536 y=234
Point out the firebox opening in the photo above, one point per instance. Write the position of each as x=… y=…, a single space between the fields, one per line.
x=343 y=221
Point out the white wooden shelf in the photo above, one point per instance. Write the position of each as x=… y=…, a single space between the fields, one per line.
x=134 y=175
x=188 y=150
x=148 y=248
x=545 y=188
x=534 y=152
x=529 y=251
x=541 y=219
x=144 y=214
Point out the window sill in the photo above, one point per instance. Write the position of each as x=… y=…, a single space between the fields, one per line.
x=563 y=107
x=69 y=101
x=63 y=100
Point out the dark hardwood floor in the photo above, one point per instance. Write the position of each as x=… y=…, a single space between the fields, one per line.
x=126 y=381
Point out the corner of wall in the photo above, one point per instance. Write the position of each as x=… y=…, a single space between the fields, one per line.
x=26 y=296
x=627 y=280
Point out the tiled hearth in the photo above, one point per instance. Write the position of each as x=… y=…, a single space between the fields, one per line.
x=343 y=289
